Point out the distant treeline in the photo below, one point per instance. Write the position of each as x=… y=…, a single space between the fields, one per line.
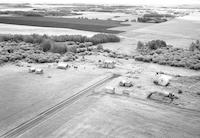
x=38 y=13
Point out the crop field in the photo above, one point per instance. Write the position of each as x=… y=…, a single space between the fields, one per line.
x=72 y=23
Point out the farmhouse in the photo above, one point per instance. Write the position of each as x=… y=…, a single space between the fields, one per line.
x=162 y=79
x=125 y=83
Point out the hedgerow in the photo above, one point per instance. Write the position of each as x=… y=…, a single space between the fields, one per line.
x=35 y=38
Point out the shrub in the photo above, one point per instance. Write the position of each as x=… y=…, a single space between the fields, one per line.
x=151 y=46
x=107 y=50
x=3 y=58
x=99 y=47
x=59 y=47
x=155 y=44
x=139 y=58
x=28 y=39
x=195 y=46
x=46 y=45
x=72 y=48
x=140 y=45
x=82 y=45
x=104 y=38
x=196 y=66
x=147 y=59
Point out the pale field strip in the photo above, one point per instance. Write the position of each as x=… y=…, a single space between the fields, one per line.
x=25 y=29
x=157 y=32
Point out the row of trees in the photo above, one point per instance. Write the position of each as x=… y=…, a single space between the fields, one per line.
x=35 y=38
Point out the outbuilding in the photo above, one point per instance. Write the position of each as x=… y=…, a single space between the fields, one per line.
x=62 y=66
x=110 y=90
x=31 y=70
x=39 y=71
x=107 y=64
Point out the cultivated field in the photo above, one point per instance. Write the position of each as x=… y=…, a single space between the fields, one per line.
x=72 y=23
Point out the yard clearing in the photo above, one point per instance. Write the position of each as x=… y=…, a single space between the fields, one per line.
x=119 y=117
x=126 y=116
x=24 y=95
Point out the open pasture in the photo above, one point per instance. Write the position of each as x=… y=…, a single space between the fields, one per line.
x=179 y=32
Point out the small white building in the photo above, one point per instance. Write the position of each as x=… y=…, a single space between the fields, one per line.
x=110 y=90
x=62 y=65
x=39 y=71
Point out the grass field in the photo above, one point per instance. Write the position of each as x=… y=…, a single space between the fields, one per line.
x=179 y=32
x=72 y=23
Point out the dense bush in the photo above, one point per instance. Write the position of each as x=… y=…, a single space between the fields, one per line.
x=144 y=48
x=154 y=18
x=104 y=38
x=151 y=19
x=32 y=48
x=99 y=47
x=157 y=15
x=140 y=45
x=11 y=52
x=59 y=47
x=72 y=48
x=46 y=45
x=160 y=54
